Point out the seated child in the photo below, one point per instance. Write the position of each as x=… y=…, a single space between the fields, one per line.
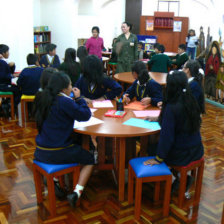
x=144 y=89
x=156 y=50
x=6 y=74
x=140 y=51
x=29 y=78
x=220 y=84
x=94 y=85
x=180 y=59
x=50 y=59
x=159 y=62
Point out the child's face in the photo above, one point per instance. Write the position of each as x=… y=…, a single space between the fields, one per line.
x=222 y=69
x=95 y=33
x=139 y=47
x=156 y=51
x=52 y=53
x=135 y=75
x=180 y=51
x=6 y=54
x=191 y=33
x=68 y=90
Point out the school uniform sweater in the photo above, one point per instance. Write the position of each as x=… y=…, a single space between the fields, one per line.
x=29 y=80
x=180 y=60
x=44 y=61
x=176 y=146
x=109 y=89
x=159 y=63
x=5 y=73
x=58 y=127
x=150 y=89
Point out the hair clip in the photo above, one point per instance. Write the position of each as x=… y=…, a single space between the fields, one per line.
x=184 y=90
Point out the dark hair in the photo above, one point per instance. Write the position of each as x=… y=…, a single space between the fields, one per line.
x=140 y=43
x=46 y=75
x=129 y=25
x=3 y=48
x=96 y=28
x=82 y=53
x=44 y=100
x=93 y=70
x=177 y=92
x=31 y=59
x=141 y=70
x=191 y=30
x=50 y=47
x=182 y=46
x=156 y=45
x=161 y=48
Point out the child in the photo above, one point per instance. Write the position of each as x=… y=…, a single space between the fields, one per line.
x=195 y=78
x=192 y=42
x=180 y=140
x=94 y=85
x=70 y=66
x=180 y=59
x=220 y=84
x=156 y=50
x=50 y=59
x=94 y=45
x=6 y=74
x=55 y=113
x=29 y=78
x=45 y=77
x=159 y=62
x=140 y=51
x=145 y=90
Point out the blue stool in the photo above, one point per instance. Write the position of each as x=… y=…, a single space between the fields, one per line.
x=146 y=173
x=50 y=171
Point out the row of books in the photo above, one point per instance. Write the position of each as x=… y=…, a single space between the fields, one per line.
x=40 y=48
x=163 y=22
x=40 y=28
x=41 y=38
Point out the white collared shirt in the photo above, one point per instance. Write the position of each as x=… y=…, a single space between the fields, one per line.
x=190 y=79
x=63 y=94
x=141 y=85
x=50 y=58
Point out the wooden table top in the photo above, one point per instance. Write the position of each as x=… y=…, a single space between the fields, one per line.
x=104 y=59
x=113 y=127
x=127 y=77
x=170 y=54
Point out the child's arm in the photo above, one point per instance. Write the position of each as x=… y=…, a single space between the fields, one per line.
x=114 y=87
x=56 y=62
x=131 y=91
x=155 y=92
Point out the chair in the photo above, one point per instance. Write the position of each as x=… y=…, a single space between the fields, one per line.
x=111 y=66
x=9 y=95
x=196 y=168
x=24 y=109
x=50 y=171
x=142 y=174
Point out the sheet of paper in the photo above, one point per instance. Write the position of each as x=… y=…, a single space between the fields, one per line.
x=142 y=124
x=92 y=110
x=102 y=103
x=147 y=113
x=90 y=122
x=136 y=105
x=14 y=81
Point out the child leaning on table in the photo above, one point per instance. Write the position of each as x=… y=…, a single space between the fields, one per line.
x=144 y=89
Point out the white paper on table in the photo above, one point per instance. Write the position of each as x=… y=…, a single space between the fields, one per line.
x=14 y=81
x=92 y=110
x=90 y=122
x=102 y=103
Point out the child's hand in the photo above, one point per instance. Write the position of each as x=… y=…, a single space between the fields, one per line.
x=151 y=162
x=148 y=118
x=160 y=104
x=76 y=92
x=88 y=101
x=126 y=98
x=146 y=101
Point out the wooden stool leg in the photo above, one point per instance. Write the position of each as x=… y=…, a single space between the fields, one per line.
x=22 y=112
x=130 y=184
x=51 y=195
x=26 y=111
x=157 y=191
x=166 y=201
x=38 y=184
x=138 y=198
x=12 y=108
x=183 y=181
x=199 y=183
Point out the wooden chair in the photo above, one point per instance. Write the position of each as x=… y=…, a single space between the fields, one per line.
x=24 y=110
x=111 y=66
x=50 y=171
x=142 y=174
x=9 y=95
x=197 y=169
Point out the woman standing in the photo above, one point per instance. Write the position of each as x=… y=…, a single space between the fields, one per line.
x=94 y=44
x=126 y=47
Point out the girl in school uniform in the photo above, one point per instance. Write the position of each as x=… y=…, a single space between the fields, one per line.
x=144 y=89
x=195 y=78
x=180 y=140
x=55 y=113
x=93 y=84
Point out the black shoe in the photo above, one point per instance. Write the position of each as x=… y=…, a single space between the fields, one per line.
x=72 y=198
x=59 y=192
x=190 y=181
x=175 y=185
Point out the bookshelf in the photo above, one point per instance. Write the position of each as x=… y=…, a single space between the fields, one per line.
x=163 y=20
x=41 y=39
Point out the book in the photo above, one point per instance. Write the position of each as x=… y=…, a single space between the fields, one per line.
x=115 y=113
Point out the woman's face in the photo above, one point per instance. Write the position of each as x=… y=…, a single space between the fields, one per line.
x=214 y=50
x=68 y=90
x=95 y=33
x=125 y=28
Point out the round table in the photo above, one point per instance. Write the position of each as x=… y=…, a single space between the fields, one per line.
x=127 y=77
x=113 y=127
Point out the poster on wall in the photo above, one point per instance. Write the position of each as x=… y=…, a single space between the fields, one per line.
x=149 y=25
x=177 y=26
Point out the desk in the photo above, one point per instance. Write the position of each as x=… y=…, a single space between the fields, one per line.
x=113 y=127
x=127 y=77
x=106 y=54
x=170 y=54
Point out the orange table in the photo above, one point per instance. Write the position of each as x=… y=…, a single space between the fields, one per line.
x=113 y=127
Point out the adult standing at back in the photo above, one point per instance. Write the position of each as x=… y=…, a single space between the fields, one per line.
x=126 y=47
x=94 y=44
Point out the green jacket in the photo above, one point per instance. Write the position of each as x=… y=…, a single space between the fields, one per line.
x=180 y=60
x=159 y=63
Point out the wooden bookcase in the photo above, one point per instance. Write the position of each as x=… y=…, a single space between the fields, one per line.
x=41 y=39
x=163 y=20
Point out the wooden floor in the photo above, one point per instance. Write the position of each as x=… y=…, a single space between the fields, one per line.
x=99 y=201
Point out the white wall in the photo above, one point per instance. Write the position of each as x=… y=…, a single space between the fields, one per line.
x=36 y=13
x=16 y=24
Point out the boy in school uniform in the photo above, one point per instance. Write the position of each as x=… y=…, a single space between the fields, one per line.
x=180 y=59
x=29 y=78
x=50 y=59
x=159 y=62
x=6 y=74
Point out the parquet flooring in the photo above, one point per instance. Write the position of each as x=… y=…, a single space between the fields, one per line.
x=99 y=201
